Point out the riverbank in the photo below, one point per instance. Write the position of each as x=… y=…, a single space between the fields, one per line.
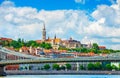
x=61 y=76
x=37 y=72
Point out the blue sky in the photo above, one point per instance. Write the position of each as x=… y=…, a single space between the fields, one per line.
x=61 y=4
x=83 y=20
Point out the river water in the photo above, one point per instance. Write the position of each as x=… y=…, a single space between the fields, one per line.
x=62 y=76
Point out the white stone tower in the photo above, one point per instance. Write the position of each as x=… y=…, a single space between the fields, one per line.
x=43 y=33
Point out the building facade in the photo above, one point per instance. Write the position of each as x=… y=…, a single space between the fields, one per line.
x=71 y=43
x=57 y=42
x=43 y=33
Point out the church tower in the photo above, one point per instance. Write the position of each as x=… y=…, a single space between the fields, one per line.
x=55 y=36
x=43 y=33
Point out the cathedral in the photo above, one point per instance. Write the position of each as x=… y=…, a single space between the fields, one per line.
x=57 y=42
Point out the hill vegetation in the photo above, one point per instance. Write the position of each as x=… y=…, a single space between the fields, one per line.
x=17 y=44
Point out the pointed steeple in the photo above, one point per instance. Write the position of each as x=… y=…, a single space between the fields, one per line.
x=43 y=32
x=44 y=26
x=55 y=36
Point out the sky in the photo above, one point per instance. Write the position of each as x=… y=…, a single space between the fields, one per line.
x=95 y=21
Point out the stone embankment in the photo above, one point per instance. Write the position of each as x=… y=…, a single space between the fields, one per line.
x=61 y=72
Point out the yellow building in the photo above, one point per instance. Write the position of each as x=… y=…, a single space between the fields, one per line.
x=55 y=42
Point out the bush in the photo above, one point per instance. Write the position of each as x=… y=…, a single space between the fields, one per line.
x=46 y=66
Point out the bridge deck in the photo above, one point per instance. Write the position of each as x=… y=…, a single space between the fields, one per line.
x=34 y=59
x=30 y=61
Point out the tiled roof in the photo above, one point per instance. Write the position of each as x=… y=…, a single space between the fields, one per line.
x=38 y=41
x=87 y=54
x=102 y=47
x=25 y=48
x=62 y=50
x=47 y=51
x=5 y=39
x=57 y=40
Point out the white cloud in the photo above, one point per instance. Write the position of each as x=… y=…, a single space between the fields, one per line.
x=84 y=1
x=27 y=22
x=118 y=2
x=113 y=1
x=63 y=21
x=80 y=1
x=110 y=14
x=18 y=21
x=9 y=17
x=111 y=23
x=7 y=4
x=116 y=40
x=116 y=47
x=24 y=21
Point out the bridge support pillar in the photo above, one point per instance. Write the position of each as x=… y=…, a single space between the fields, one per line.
x=2 y=73
x=77 y=66
x=105 y=63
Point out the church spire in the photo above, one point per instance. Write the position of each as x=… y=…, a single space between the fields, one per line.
x=43 y=32
x=55 y=36
x=44 y=26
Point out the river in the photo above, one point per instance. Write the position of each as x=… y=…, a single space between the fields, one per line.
x=61 y=76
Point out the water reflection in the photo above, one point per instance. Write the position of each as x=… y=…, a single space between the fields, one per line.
x=61 y=76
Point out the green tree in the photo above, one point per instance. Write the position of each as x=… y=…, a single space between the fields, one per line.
x=31 y=43
x=19 y=40
x=81 y=67
x=108 y=67
x=5 y=43
x=115 y=67
x=42 y=45
x=45 y=45
x=62 y=67
x=68 y=66
x=78 y=49
x=62 y=48
x=48 y=46
x=98 y=66
x=105 y=51
x=95 y=47
x=15 y=44
x=91 y=50
x=46 y=66
x=85 y=50
x=119 y=67
x=56 y=67
x=23 y=43
x=90 y=66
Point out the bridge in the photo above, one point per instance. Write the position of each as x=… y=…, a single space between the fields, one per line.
x=48 y=60
x=29 y=59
